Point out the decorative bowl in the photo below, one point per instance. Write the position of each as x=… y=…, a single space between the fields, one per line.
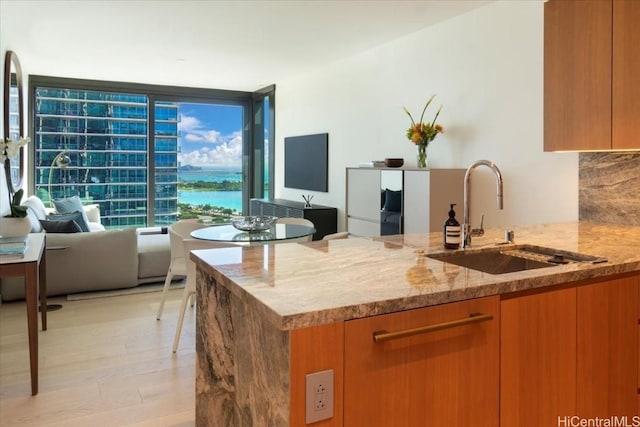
x=253 y=223
x=393 y=163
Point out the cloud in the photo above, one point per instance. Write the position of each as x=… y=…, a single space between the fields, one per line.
x=188 y=123
x=227 y=152
x=207 y=137
x=202 y=146
x=191 y=129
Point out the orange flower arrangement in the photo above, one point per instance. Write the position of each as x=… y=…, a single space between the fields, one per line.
x=421 y=134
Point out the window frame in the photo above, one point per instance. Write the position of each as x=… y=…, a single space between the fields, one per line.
x=252 y=162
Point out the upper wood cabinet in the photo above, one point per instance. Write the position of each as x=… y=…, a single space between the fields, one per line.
x=591 y=75
x=626 y=75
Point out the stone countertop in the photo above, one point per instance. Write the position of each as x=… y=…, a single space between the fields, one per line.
x=299 y=285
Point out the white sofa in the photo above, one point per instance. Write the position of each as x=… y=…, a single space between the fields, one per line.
x=96 y=260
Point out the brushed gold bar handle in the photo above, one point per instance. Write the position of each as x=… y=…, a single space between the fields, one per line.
x=382 y=336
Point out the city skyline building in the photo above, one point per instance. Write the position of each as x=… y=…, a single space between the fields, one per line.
x=111 y=161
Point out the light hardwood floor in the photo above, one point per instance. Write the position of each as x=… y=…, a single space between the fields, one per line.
x=103 y=362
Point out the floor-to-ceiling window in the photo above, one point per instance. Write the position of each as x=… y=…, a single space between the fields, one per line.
x=93 y=144
x=210 y=146
x=165 y=164
x=264 y=141
x=148 y=155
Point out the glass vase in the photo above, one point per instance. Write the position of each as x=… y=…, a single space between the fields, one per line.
x=422 y=156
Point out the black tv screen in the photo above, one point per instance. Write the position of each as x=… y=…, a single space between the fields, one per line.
x=306 y=161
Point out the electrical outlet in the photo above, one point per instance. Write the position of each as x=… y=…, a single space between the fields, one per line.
x=319 y=396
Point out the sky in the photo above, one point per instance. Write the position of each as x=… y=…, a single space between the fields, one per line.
x=210 y=135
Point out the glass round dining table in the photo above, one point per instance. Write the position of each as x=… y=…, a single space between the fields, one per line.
x=278 y=233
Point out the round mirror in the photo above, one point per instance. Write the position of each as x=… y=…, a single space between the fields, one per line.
x=13 y=110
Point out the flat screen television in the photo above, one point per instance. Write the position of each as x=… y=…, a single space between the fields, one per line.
x=306 y=162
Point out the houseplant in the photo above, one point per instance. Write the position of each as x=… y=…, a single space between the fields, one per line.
x=421 y=134
x=15 y=223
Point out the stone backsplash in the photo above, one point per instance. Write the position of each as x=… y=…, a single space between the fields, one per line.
x=609 y=188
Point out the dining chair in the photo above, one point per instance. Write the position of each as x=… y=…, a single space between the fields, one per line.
x=190 y=286
x=178 y=231
x=297 y=221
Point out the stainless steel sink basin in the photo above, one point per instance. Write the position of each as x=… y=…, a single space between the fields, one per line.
x=501 y=260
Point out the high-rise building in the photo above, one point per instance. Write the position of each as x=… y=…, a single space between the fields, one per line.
x=96 y=145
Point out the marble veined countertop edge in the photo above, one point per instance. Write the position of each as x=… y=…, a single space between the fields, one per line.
x=305 y=319
x=301 y=285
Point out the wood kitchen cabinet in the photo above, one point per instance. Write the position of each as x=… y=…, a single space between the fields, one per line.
x=445 y=377
x=591 y=69
x=538 y=358
x=316 y=349
x=626 y=75
x=570 y=352
x=607 y=354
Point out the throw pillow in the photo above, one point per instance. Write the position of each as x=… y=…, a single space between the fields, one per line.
x=35 y=204
x=93 y=213
x=72 y=204
x=73 y=216
x=35 y=212
x=66 y=226
x=393 y=201
x=36 y=227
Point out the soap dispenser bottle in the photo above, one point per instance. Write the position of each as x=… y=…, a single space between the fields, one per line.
x=452 y=230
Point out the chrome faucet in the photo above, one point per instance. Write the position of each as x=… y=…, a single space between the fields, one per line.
x=467 y=231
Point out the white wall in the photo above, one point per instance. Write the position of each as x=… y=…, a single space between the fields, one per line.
x=486 y=69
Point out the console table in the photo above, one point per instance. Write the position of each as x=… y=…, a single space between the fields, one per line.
x=33 y=268
x=324 y=218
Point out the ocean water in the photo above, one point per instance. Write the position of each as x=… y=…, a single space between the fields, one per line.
x=210 y=175
x=225 y=199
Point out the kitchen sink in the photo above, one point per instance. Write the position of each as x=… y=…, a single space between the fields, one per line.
x=501 y=260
